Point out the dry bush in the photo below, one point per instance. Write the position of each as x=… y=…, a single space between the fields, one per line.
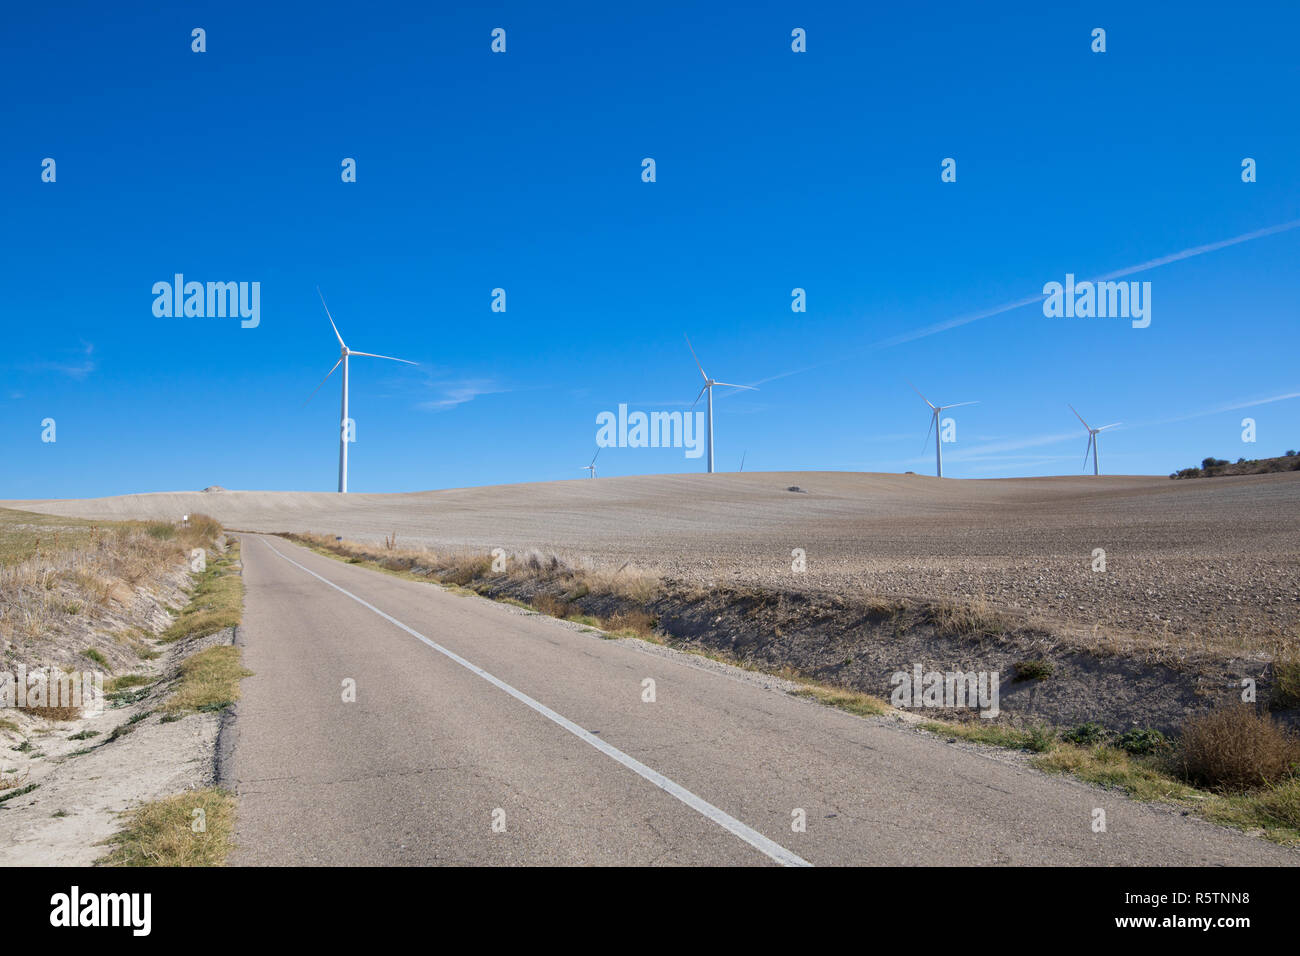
x=883 y=607
x=1286 y=676
x=545 y=604
x=535 y=561
x=464 y=570
x=201 y=528
x=626 y=582
x=53 y=713
x=638 y=623
x=1237 y=748
x=974 y=619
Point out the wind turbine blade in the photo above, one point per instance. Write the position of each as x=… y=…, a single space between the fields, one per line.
x=330 y=317
x=702 y=391
x=389 y=357
x=923 y=398
x=1113 y=425
x=742 y=459
x=697 y=359
x=1078 y=416
x=595 y=456
x=729 y=385
x=933 y=418
x=322 y=381
x=1087 y=450
x=954 y=405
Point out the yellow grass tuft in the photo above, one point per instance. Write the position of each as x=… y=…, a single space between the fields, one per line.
x=169 y=832
x=209 y=680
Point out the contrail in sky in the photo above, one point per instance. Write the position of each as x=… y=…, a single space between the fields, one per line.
x=1030 y=300
x=1130 y=270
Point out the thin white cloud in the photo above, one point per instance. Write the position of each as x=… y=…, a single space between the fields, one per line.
x=457 y=393
x=77 y=370
x=1230 y=407
x=992 y=449
x=1038 y=298
x=1118 y=273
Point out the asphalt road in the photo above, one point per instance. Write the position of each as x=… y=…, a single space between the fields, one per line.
x=469 y=714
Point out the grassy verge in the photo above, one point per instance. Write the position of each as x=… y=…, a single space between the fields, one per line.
x=1271 y=810
x=209 y=681
x=216 y=601
x=1037 y=739
x=864 y=705
x=169 y=832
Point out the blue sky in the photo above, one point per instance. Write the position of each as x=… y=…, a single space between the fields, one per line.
x=522 y=170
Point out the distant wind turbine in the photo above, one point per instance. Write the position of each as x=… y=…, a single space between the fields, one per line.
x=1092 y=441
x=344 y=353
x=935 y=424
x=708 y=388
x=592 y=467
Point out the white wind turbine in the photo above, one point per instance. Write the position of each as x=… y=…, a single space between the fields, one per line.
x=592 y=467
x=708 y=388
x=935 y=424
x=344 y=353
x=1092 y=441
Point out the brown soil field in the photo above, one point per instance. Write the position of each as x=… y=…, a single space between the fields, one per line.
x=1211 y=565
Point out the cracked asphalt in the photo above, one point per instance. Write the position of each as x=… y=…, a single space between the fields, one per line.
x=430 y=755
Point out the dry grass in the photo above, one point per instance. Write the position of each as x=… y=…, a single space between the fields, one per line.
x=465 y=571
x=545 y=604
x=1037 y=738
x=882 y=608
x=53 y=713
x=216 y=602
x=864 y=705
x=169 y=833
x=475 y=571
x=60 y=577
x=1271 y=811
x=1238 y=748
x=975 y=619
x=640 y=624
x=209 y=680
x=1286 y=676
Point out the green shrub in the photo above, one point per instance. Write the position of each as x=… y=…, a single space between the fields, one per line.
x=1142 y=742
x=1085 y=735
x=1036 y=669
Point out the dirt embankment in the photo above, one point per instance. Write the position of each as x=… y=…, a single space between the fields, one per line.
x=102 y=600
x=862 y=644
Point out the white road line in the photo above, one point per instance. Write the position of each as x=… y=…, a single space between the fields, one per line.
x=721 y=818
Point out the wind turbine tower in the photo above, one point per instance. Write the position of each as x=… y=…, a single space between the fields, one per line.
x=1092 y=441
x=344 y=354
x=935 y=424
x=708 y=389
